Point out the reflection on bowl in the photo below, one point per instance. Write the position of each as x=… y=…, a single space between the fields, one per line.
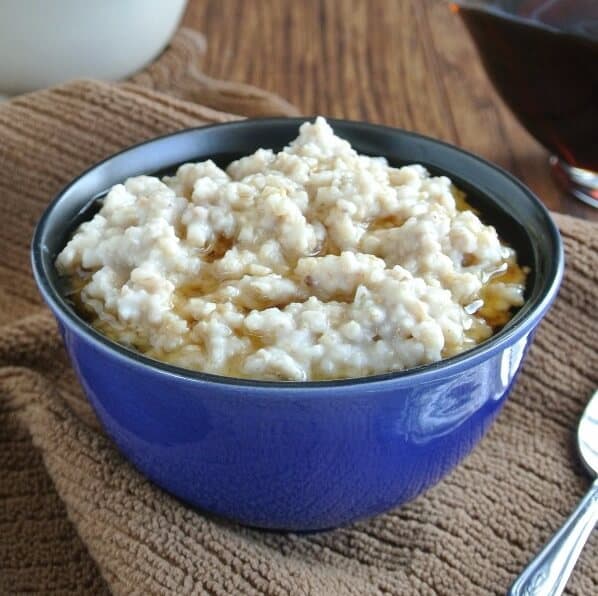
x=301 y=456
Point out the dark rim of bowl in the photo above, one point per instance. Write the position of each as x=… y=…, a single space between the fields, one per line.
x=528 y=21
x=521 y=323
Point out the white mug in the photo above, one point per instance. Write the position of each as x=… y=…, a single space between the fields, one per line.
x=45 y=42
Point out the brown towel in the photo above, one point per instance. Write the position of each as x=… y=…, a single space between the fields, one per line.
x=75 y=517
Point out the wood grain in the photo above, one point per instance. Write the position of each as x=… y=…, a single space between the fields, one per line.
x=405 y=63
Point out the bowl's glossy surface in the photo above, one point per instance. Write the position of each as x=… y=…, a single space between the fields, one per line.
x=291 y=455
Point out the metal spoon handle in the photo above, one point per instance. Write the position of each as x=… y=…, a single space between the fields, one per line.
x=548 y=573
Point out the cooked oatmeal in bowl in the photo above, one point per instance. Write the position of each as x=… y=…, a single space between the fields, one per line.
x=308 y=263
x=311 y=263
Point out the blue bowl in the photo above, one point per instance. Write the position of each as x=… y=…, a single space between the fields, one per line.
x=314 y=455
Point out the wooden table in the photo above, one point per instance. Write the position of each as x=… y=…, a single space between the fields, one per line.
x=406 y=63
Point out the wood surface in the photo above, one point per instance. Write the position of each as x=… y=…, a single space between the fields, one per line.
x=405 y=63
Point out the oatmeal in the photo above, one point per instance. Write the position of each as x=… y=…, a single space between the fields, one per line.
x=311 y=263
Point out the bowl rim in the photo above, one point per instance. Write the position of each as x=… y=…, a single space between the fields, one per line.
x=514 y=330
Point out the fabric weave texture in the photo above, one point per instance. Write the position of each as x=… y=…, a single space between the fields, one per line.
x=75 y=517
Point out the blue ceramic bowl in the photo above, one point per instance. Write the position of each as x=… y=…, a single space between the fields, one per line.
x=300 y=456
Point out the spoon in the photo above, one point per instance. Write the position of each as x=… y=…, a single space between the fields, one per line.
x=548 y=573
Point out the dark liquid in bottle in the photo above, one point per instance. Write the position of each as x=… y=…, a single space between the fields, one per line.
x=542 y=56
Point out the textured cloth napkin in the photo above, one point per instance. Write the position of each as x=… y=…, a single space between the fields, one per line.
x=75 y=517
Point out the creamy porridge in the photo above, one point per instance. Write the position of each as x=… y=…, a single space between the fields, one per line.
x=311 y=263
